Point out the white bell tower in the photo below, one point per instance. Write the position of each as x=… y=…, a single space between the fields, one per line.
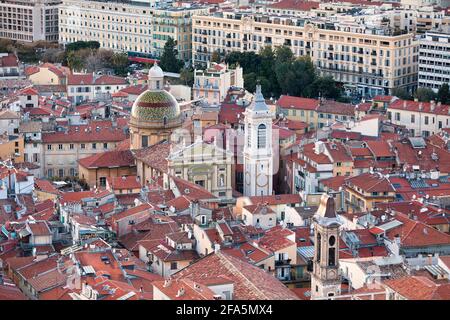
x=258 y=155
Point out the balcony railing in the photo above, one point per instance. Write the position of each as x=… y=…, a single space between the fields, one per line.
x=282 y=262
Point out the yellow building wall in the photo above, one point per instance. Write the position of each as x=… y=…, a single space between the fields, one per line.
x=8 y=150
x=92 y=176
x=44 y=77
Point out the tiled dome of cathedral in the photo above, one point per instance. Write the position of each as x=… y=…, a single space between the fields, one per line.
x=155 y=105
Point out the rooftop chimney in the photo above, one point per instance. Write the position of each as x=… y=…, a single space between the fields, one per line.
x=180 y=292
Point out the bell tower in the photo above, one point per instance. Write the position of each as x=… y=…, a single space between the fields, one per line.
x=258 y=155
x=325 y=279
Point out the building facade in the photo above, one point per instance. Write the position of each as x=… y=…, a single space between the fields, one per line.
x=434 y=60
x=212 y=84
x=368 y=61
x=176 y=23
x=119 y=26
x=29 y=21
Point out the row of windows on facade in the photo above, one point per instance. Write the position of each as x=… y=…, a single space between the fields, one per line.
x=426 y=119
x=60 y=173
x=72 y=146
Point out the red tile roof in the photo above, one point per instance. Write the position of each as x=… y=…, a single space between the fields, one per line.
x=277 y=199
x=39 y=228
x=335 y=107
x=125 y=182
x=230 y=113
x=92 y=134
x=419 y=288
x=45 y=186
x=289 y=102
x=299 y=5
x=380 y=148
x=250 y=282
x=417 y=106
x=275 y=239
x=371 y=183
x=417 y=234
x=9 y=61
x=108 y=159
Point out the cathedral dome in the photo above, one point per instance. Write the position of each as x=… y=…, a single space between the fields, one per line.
x=155 y=106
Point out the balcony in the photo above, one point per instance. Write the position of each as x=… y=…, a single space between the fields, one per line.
x=282 y=262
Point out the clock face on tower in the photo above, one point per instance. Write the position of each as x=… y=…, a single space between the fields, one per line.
x=247 y=178
x=262 y=180
x=331 y=273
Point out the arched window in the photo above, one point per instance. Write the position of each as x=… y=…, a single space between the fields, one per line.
x=331 y=257
x=261 y=136
x=319 y=246
x=165 y=120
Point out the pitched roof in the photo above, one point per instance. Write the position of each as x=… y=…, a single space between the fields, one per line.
x=416 y=106
x=250 y=282
x=300 y=5
x=155 y=155
x=289 y=102
x=276 y=199
x=419 y=288
x=9 y=60
x=335 y=107
x=91 y=134
x=124 y=182
x=417 y=234
x=371 y=183
x=108 y=159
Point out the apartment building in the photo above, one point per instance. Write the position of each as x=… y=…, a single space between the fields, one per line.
x=420 y=118
x=434 y=60
x=368 y=60
x=176 y=23
x=87 y=87
x=212 y=84
x=116 y=25
x=62 y=149
x=29 y=20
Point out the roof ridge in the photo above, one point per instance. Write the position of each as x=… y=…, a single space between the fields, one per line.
x=238 y=273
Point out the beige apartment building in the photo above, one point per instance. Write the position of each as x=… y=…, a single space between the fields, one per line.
x=212 y=84
x=368 y=60
x=176 y=23
x=29 y=20
x=119 y=26
x=61 y=150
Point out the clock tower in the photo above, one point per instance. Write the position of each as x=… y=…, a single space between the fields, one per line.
x=325 y=278
x=258 y=156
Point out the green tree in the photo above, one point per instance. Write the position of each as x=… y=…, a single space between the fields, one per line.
x=425 y=94
x=119 y=62
x=75 y=61
x=443 y=94
x=169 y=61
x=326 y=87
x=401 y=93
x=78 y=45
x=267 y=58
x=216 y=57
x=283 y=54
x=187 y=77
